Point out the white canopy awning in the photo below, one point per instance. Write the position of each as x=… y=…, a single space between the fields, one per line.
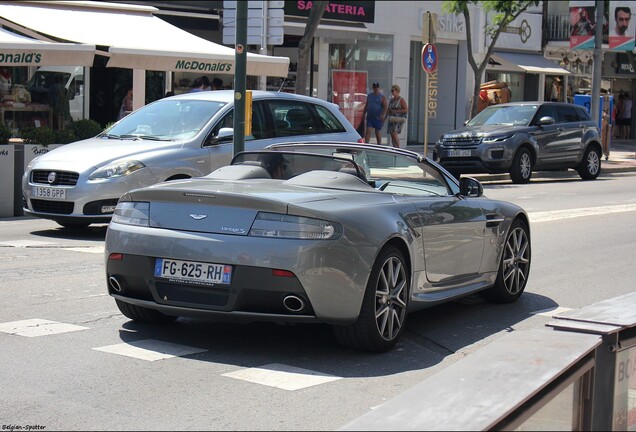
x=135 y=38
x=16 y=50
x=522 y=62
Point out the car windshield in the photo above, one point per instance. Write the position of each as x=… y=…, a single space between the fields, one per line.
x=516 y=115
x=386 y=171
x=165 y=120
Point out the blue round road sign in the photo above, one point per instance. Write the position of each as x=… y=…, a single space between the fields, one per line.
x=429 y=58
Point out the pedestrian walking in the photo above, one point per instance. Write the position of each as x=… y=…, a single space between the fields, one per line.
x=375 y=110
x=625 y=119
x=606 y=127
x=398 y=108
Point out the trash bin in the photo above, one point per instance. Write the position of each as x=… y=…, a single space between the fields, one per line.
x=586 y=101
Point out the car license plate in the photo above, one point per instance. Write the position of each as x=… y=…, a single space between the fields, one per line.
x=195 y=272
x=49 y=193
x=459 y=153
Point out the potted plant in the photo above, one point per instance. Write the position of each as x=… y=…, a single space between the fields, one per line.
x=38 y=135
x=85 y=128
x=5 y=134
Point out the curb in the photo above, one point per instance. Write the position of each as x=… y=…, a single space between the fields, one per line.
x=620 y=165
x=554 y=174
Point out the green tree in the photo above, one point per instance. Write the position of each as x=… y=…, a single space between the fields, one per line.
x=503 y=13
x=304 y=46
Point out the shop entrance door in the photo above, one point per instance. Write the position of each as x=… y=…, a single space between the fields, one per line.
x=108 y=88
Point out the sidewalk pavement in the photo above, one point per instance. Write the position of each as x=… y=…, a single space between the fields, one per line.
x=622 y=158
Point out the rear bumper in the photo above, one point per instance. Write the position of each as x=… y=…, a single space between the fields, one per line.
x=254 y=294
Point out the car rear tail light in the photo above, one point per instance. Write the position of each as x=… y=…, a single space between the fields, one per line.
x=116 y=256
x=285 y=226
x=282 y=273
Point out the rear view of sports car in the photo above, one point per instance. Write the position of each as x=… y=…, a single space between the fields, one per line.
x=352 y=235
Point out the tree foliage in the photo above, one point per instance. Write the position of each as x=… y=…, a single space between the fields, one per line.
x=502 y=14
x=304 y=46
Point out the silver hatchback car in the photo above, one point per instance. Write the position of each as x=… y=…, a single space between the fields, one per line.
x=178 y=137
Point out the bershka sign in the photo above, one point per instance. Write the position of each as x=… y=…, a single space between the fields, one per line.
x=23 y=57
x=356 y=11
x=203 y=66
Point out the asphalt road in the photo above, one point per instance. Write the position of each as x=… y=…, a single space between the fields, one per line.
x=83 y=366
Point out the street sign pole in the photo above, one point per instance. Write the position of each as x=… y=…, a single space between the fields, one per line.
x=425 y=114
x=429 y=62
x=240 y=56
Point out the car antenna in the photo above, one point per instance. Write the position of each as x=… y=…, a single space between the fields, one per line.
x=282 y=84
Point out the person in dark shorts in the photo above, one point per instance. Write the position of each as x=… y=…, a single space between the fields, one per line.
x=375 y=110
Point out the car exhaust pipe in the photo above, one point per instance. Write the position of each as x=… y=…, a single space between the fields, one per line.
x=294 y=303
x=115 y=284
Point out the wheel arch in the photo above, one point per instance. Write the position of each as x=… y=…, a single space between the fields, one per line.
x=400 y=245
x=178 y=177
x=531 y=149
x=595 y=145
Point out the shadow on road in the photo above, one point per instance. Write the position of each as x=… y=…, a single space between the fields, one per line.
x=431 y=335
x=90 y=233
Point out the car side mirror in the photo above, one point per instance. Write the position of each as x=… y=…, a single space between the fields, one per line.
x=547 y=120
x=470 y=187
x=225 y=135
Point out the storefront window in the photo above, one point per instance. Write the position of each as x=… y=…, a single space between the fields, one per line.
x=353 y=67
x=49 y=96
x=515 y=82
x=184 y=82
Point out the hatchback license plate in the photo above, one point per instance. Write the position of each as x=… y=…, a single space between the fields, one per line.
x=195 y=272
x=49 y=193
x=459 y=153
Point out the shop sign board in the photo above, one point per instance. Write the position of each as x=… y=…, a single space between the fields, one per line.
x=429 y=58
x=353 y=11
x=622 y=25
x=582 y=23
x=522 y=34
x=7 y=166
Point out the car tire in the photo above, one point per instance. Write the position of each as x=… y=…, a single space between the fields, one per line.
x=521 y=169
x=384 y=306
x=590 y=166
x=74 y=225
x=514 y=266
x=142 y=314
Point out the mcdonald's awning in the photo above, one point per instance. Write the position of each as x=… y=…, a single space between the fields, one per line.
x=132 y=37
x=16 y=50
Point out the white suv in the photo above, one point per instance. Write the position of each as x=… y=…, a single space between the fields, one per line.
x=178 y=137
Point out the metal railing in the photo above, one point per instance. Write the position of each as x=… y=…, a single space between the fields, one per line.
x=558 y=27
x=579 y=373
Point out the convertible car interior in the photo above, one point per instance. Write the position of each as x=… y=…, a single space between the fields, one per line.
x=336 y=171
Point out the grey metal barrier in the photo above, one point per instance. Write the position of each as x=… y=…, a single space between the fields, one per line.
x=579 y=373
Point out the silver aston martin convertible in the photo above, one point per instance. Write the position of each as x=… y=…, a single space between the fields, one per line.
x=352 y=235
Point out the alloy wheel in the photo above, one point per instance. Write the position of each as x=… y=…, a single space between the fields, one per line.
x=525 y=165
x=593 y=162
x=390 y=298
x=516 y=261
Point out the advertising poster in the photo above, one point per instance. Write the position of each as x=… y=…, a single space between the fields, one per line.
x=350 y=93
x=582 y=24
x=621 y=25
